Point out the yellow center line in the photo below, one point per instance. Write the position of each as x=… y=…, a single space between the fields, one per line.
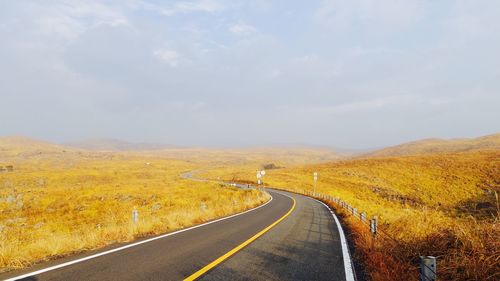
x=238 y=248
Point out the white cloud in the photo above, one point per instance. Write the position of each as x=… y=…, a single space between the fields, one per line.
x=208 y=6
x=374 y=104
x=61 y=25
x=386 y=102
x=375 y=15
x=306 y=59
x=69 y=20
x=169 y=57
x=275 y=73
x=242 y=29
x=99 y=13
x=350 y=68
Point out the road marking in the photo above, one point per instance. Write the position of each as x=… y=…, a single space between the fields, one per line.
x=130 y=245
x=239 y=247
x=349 y=274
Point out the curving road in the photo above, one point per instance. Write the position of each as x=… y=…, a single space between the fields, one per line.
x=303 y=243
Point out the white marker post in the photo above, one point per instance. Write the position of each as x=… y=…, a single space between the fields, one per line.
x=259 y=175
x=135 y=216
x=315 y=175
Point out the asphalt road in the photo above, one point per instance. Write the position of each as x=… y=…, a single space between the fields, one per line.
x=303 y=246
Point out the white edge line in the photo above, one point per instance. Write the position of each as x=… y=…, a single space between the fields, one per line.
x=349 y=274
x=281 y=193
x=131 y=245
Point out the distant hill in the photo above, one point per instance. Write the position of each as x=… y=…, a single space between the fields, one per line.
x=431 y=146
x=115 y=145
x=23 y=146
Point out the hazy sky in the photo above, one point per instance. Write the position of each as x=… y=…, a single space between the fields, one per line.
x=343 y=73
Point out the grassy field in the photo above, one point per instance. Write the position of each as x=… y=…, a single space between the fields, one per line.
x=443 y=204
x=432 y=146
x=57 y=204
x=62 y=200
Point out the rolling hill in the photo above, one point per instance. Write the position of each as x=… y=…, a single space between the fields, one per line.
x=440 y=204
x=20 y=146
x=432 y=146
x=115 y=145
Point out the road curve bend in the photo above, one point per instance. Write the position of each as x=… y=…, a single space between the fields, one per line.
x=301 y=242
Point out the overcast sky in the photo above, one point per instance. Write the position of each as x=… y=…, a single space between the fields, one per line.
x=342 y=73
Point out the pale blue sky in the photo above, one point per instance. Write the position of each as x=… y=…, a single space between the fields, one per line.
x=342 y=73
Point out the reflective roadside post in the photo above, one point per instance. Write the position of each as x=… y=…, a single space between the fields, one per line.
x=428 y=268
x=315 y=175
x=259 y=176
x=135 y=215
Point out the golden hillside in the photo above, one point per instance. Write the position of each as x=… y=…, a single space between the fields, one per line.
x=114 y=145
x=429 y=146
x=61 y=203
x=442 y=181
x=23 y=147
x=18 y=146
x=258 y=156
x=437 y=203
x=444 y=205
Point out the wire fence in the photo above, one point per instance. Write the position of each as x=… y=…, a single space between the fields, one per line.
x=427 y=267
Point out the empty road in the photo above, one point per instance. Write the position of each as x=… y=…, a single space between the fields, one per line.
x=293 y=237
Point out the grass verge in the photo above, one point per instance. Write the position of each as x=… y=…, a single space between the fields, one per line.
x=443 y=205
x=49 y=210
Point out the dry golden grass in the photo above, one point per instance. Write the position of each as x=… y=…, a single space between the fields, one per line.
x=443 y=205
x=53 y=206
x=432 y=146
x=60 y=201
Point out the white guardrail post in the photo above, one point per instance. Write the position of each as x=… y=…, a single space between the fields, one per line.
x=428 y=270
x=373 y=226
